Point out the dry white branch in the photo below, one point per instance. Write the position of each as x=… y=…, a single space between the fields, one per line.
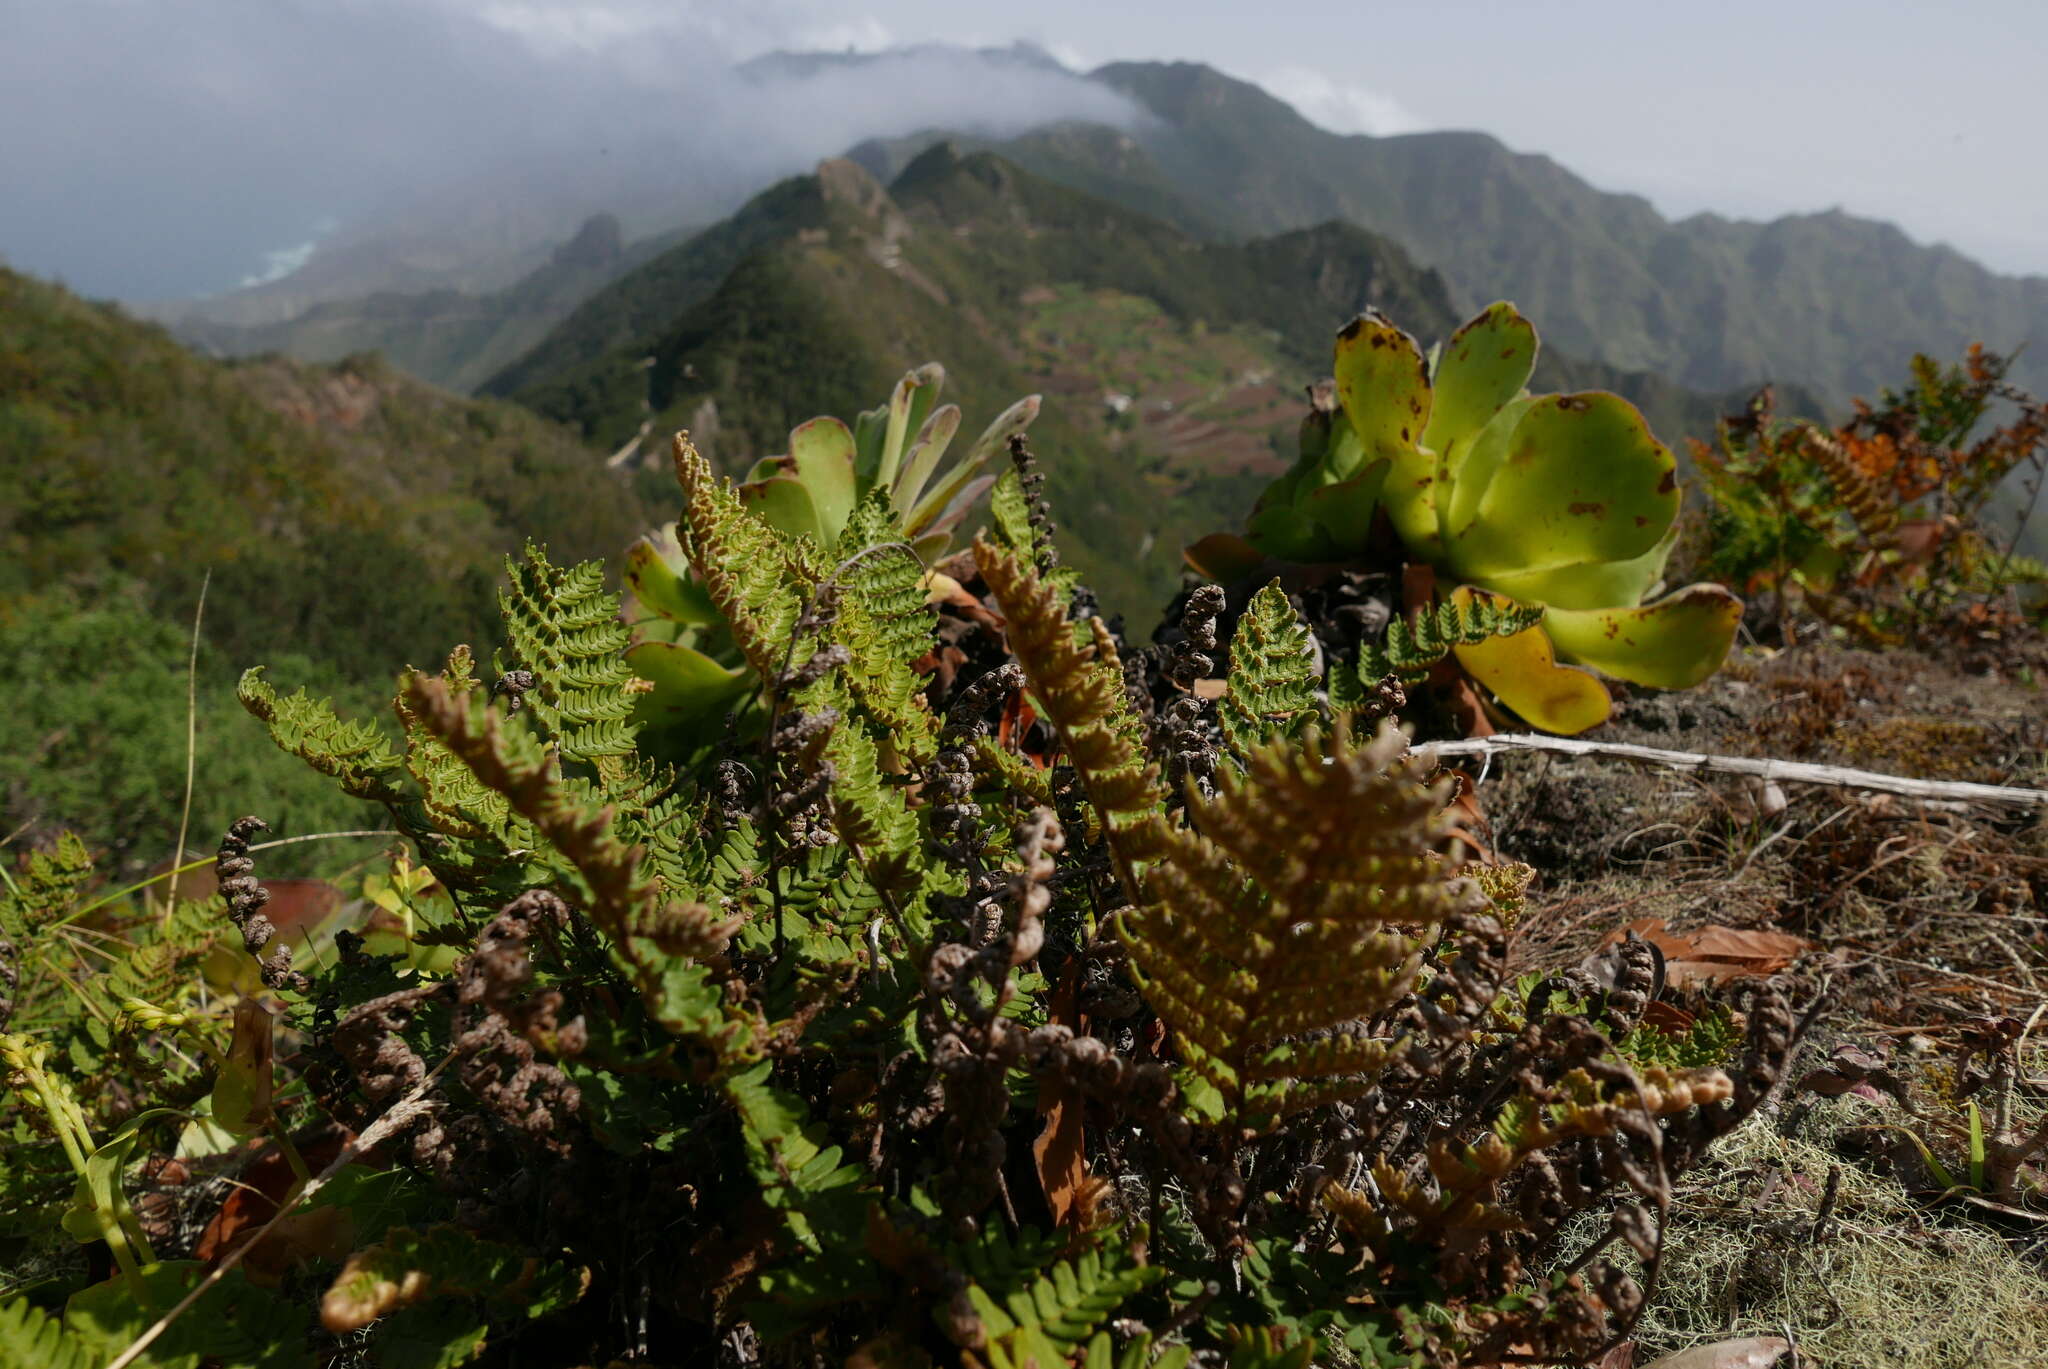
x=1836 y=776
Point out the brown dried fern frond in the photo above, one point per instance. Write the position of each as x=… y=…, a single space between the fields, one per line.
x=1862 y=497
x=1080 y=692
x=1298 y=908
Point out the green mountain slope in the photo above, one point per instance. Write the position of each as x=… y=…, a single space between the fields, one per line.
x=447 y=337
x=1172 y=366
x=360 y=514
x=1830 y=301
x=1827 y=301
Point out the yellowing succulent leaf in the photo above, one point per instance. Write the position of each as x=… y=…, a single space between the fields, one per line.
x=1673 y=643
x=1383 y=386
x=1523 y=671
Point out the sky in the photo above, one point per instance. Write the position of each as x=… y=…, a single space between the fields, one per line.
x=152 y=148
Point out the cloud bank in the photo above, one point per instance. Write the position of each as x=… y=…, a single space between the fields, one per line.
x=155 y=149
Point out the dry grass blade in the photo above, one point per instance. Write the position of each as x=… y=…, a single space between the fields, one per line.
x=191 y=747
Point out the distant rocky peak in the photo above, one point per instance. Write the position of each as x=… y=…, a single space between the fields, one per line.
x=599 y=242
x=846 y=182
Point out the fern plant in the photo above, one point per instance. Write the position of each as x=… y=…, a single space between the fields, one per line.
x=909 y=1023
x=1881 y=527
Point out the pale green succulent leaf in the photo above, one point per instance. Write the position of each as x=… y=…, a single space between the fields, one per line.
x=1522 y=670
x=690 y=690
x=925 y=454
x=1343 y=455
x=1344 y=510
x=995 y=438
x=909 y=404
x=657 y=573
x=1468 y=469
x=1673 y=643
x=786 y=505
x=1484 y=365
x=954 y=514
x=822 y=454
x=1590 y=584
x=1581 y=480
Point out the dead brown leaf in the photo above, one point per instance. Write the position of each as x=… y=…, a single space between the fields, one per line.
x=1059 y=1149
x=1713 y=953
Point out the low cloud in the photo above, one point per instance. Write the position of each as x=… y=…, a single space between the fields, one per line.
x=158 y=150
x=1341 y=106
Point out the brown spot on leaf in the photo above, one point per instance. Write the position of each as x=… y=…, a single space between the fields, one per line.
x=1598 y=510
x=1641 y=521
x=1350 y=330
x=1573 y=403
x=1669 y=482
x=1507 y=354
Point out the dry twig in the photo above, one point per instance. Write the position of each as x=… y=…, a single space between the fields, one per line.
x=1800 y=772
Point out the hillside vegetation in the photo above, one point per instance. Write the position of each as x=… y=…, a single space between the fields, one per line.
x=1178 y=362
x=349 y=517
x=364 y=510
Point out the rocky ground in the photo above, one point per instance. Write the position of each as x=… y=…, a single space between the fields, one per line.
x=1924 y=925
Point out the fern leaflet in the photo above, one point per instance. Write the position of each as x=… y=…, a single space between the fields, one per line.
x=1271 y=687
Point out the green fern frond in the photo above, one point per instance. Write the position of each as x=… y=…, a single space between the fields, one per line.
x=31 y=1336
x=162 y=967
x=47 y=889
x=1010 y=512
x=1136 y=1354
x=885 y=622
x=1009 y=771
x=1270 y=1347
x=756 y=577
x=801 y=1175
x=564 y=628
x=1414 y=645
x=1048 y=1321
x=459 y=806
x=1297 y=907
x=660 y=938
x=357 y=754
x=1270 y=691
